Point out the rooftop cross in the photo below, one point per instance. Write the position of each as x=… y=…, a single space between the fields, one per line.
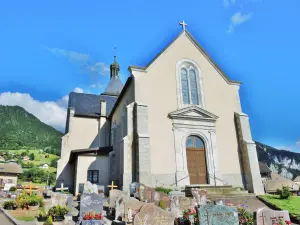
x=183 y=24
x=115 y=53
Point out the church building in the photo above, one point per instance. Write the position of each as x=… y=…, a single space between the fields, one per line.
x=177 y=121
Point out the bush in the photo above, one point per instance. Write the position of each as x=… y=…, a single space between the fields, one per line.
x=49 y=221
x=164 y=190
x=284 y=193
x=58 y=210
x=9 y=205
x=13 y=188
x=42 y=213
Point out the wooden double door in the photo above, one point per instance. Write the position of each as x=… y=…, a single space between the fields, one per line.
x=196 y=163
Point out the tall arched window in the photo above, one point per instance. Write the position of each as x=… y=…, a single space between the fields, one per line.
x=189 y=85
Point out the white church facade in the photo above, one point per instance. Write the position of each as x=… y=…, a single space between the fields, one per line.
x=177 y=121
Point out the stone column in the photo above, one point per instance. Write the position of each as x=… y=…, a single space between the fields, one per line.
x=127 y=149
x=249 y=155
x=143 y=158
x=103 y=125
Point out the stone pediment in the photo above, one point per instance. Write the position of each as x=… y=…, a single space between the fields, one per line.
x=193 y=113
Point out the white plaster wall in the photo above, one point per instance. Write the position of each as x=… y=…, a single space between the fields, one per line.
x=156 y=87
x=83 y=133
x=86 y=163
x=14 y=178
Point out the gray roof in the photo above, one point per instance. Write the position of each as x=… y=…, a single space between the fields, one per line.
x=114 y=86
x=10 y=168
x=264 y=168
x=89 y=105
x=297 y=179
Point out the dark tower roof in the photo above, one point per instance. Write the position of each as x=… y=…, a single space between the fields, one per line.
x=115 y=85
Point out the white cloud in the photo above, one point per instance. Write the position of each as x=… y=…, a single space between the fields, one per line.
x=98 y=85
x=98 y=68
x=298 y=143
x=86 y=62
x=228 y=3
x=49 y=112
x=93 y=85
x=78 y=90
x=52 y=113
x=71 y=55
x=237 y=19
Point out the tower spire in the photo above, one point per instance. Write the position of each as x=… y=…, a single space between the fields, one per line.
x=114 y=67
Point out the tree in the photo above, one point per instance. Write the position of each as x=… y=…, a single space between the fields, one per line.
x=54 y=163
x=23 y=154
x=31 y=157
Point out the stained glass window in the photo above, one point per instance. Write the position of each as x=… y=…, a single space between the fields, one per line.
x=193 y=85
x=185 y=87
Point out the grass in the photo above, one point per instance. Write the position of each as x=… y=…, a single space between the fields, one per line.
x=291 y=204
x=25 y=218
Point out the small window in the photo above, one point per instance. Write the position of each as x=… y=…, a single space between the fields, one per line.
x=194 y=142
x=93 y=176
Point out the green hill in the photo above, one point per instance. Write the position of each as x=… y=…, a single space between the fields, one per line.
x=20 y=129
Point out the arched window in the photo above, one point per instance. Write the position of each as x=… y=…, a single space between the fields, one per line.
x=194 y=142
x=189 y=85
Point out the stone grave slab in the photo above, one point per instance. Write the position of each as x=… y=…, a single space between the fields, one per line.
x=265 y=216
x=91 y=202
x=217 y=214
x=131 y=207
x=151 y=214
x=113 y=195
x=175 y=208
x=184 y=203
x=148 y=194
x=156 y=198
x=141 y=192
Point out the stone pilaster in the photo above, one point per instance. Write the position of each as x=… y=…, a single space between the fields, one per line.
x=143 y=158
x=127 y=144
x=249 y=155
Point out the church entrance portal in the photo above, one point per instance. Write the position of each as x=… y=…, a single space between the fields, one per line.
x=196 y=160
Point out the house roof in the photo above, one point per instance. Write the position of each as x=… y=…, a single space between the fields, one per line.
x=88 y=105
x=200 y=48
x=264 y=168
x=10 y=168
x=114 y=86
x=94 y=151
x=297 y=179
x=274 y=185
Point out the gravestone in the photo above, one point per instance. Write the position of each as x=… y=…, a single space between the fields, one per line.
x=113 y=195
x=58 y=199
x=176 y=193
x=120 y=208
x=91 y=202
x=217 y=214
x=156 y=198
x=200 y=196
x=175 y=208
x=265 y=216
x=184 y=203
x=132 y=189
x=148 y=194
x=153 y=215
x=131 y=207
x=141 y=192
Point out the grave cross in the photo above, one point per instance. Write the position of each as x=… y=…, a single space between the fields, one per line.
x=207 y=216
x=112 y=186
x=29 y=187
x=263 y=218
x=62 y=187
x=183 y=24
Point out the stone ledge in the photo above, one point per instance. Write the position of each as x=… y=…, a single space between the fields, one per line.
x=13 y=220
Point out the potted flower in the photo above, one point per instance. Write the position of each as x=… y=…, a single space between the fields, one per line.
x=58 y=212
x=9 y=205
x=92 y=217
x=34 y=201
x=42 y=216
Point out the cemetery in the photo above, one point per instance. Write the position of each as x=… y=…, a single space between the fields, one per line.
x=143 y=205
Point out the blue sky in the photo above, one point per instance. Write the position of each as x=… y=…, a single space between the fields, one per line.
x=49 y=48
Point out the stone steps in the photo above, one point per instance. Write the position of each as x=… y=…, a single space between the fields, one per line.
x=227 y=190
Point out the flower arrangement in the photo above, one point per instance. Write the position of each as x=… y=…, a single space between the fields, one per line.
x=190 y=212
x=245 y=217
x=282 y=222
x=92 y=216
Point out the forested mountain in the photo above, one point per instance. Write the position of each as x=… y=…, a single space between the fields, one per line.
x=284 y=162
x=19 y=129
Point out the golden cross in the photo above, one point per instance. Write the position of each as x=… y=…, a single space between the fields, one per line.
x=112 y=186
